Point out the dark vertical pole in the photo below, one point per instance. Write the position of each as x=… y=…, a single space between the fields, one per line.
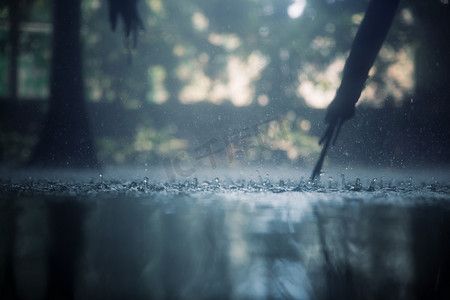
x=8 y=219
x=66 y=219
x=14 y=20
x=66 y=140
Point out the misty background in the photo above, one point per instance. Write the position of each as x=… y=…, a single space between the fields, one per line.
x=207 y=83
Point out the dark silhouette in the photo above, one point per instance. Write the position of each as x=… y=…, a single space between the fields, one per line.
x=430 y=247
x=66 y=218
x=14 y=19
x=365 y=48
x=66 y=139
x=8 y=229
x=127 y=9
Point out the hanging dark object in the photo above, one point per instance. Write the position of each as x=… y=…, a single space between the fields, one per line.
x=366 y=45
x=127 y=11
x=329 y=136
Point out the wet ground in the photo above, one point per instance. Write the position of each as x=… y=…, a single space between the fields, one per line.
x=256 y=235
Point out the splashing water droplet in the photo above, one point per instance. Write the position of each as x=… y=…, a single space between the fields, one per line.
x=358 y=185
x=372 y=185
x=216 y=180
x=409 y=181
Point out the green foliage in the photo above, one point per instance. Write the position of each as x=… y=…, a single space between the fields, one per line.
x=16 y=147
x=247 y=52
x=147 y=146
x=34 y=48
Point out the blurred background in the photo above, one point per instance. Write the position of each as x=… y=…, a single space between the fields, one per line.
x=210 y=83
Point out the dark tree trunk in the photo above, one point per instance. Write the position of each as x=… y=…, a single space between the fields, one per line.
x=432 y=59
x=14 y=20
x=430 y=107
x=65 y=139
x=66 y=220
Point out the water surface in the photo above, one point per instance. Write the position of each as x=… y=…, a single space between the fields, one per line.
x=242 y=238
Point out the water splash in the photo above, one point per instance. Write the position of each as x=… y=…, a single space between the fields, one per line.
x=372 y=185
x=34 y=186
x=358 y=186
x=195 y=182
x=343 y=181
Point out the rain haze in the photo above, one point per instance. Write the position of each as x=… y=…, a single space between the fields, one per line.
x=240 y=149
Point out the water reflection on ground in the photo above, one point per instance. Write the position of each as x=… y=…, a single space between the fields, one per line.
x=214 y=240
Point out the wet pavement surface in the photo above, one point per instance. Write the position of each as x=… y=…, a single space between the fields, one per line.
x=260 y=237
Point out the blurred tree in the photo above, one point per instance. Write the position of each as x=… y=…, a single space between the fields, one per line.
x=193 y=50
x=432 y=59
x=14 y=38
x=66 y=139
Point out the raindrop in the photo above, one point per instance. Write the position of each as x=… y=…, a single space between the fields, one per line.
x=240 y=183
x=358 y=185
x=330 y=181
x=409 y=181
x=343 y=180
x=195 y=182
x=372 y=185
x=216 y=180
